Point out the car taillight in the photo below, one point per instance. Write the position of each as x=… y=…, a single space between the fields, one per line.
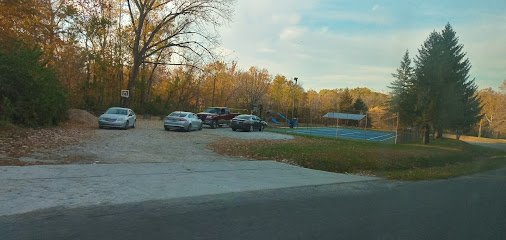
x=182 y=120
x=168 y=118
x=246 y=121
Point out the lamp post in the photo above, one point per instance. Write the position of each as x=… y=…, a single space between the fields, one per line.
x=293 y=105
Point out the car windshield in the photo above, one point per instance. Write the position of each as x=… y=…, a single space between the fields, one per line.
x=244 y=117
x=212 y=110
x=178 y=114
x=117 y=111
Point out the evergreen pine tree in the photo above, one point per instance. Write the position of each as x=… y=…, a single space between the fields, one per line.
x=426 y=85
x=359 y=106
x=460 y=106
x=439 y=94
x=346 y=101
x=403 y=98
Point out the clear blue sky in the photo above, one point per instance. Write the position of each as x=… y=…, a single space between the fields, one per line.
x=335 y=44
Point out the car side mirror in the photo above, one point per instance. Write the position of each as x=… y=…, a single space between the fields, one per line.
x=130 y=115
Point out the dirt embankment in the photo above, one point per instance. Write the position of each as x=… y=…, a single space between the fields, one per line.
x=17 y=142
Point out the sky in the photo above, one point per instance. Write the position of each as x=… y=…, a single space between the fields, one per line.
x=331 y=44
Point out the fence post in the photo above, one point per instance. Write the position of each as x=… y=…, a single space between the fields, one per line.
x=337 y=123
x=365 y=127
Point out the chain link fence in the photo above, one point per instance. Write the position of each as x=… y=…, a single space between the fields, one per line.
x=374 y=120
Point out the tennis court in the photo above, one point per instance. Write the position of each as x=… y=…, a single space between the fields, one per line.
x=349 y=133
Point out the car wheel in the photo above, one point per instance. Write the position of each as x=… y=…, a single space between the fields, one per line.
x=261 y=128
x=135 y=122
x=214 y=124
x=200 y=128
x=234 y=129
x=189 y=128
x=126 y=126
x=100 y=127
x=167 y=128
x=250 y=128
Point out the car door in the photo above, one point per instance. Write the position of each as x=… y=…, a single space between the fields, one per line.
x=195 y=121
x=254 y=122
x=257 y=122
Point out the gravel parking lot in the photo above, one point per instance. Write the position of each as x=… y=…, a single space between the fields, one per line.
x=148 y=143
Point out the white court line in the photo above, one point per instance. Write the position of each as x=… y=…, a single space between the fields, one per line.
x=350 y=133
x=353 y=137
x=380 y=136
x=387 y=138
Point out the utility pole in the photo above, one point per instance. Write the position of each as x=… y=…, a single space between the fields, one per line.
x=293 y=106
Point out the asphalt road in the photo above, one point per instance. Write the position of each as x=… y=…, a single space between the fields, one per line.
x=471 y=207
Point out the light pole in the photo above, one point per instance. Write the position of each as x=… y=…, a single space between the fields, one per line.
x=293 y=105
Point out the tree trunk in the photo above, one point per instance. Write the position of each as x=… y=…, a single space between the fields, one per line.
x=133 y=78
x=150 y=84
x=438 y=134
x=426 y=132
x=479 y=130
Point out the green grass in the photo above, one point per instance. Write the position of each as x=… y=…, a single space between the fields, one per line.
x=443 y=158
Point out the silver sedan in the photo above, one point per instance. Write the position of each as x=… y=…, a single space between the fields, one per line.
x=118 y=118
x=182 y=120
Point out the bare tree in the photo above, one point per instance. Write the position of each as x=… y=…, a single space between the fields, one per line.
x=180 y=26
x=255 y=85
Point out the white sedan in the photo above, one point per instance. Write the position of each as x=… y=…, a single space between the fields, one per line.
x=118 y=118
x=182 y=120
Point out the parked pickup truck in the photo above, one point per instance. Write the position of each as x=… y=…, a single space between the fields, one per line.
x=217 y=116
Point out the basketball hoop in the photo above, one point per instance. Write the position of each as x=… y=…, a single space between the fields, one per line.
x=125 y=93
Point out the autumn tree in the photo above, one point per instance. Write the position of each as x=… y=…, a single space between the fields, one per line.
x=178 y=26
x=330 y=99
x=493 y=111
x=314 y=105
x=280 y=94
x=254 y=87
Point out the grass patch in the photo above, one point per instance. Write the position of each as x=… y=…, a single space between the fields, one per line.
x=443 y=158
x=448 y=171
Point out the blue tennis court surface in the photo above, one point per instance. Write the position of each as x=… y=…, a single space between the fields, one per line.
x=349 y=133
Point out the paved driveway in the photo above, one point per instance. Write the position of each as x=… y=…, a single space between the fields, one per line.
x=147 y=163
x=25 y=189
